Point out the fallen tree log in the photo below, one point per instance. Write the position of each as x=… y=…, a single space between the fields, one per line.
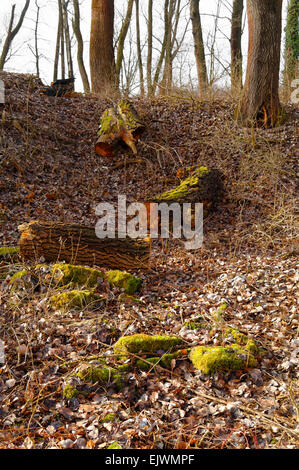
x=197 y=185
x=120 y=124
x=78 y=244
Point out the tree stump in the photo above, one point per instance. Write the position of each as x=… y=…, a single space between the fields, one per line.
x=60 y=87
x=120 y=124
x=78 y=244
x=198 y=185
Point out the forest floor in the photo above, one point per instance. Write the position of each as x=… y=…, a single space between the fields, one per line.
x=248 y=262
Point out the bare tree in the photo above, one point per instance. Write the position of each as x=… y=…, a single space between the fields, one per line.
x=199 y=49
x=12 y=32
x=35 y=50
x=121 y=40
x=260 y=99
x=235 y=44
x=80 y=46
x=149 y=48
x=102 y=65
x=58 y=42
x=139 y=55
x=68 y=46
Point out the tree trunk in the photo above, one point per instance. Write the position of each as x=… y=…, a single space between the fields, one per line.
x=118 y=125
x=163 y=49
x=102 y=65
x=236 y=47
x=67 y=39
x=12 y=32
x=58 y=43
x=80 y=47
x=149 y=48
x=291 y=44
x=139 y=55
x=78 y=244
x=199 y=50
x=121 y=41
x=62 y=42
x=260 y=100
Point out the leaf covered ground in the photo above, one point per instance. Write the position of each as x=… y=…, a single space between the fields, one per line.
x=245 y=277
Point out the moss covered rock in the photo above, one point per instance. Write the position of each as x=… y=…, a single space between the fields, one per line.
x=124 y=280
x=147 y=344
x=164 y=361
x=212 y=359
x=74 y=299
x=78 y=275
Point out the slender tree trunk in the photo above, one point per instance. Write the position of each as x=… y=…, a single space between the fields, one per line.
x=62 y=42
x=139 y=55
x=121 y=40
x=235 y=44
x=291 y=44
x=67 y=39
x=80 y=47
x=149 y=48
x=163 y=48
x=12 y=32
x=260 y=99
x=166 y=83
x=102 y=65
x=36 y=39
x=199 y=51
x=58 y=43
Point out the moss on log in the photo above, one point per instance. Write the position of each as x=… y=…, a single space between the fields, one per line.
x=120 y=124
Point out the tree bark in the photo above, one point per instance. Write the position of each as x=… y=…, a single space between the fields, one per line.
x=260 y=100
x=102 y=64
x=12 y=32
x=62 y=41
x=199 y=50
x=235 y=45
x=78 y=244
x=80 y=47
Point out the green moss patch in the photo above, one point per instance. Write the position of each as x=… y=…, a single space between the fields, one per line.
x=124 y=280
x=164 y=361
x=213 y=359
x=78 y=275
x=242 y=340
x=74 y=299
x=70 y=392
x=115 y=445
x=9 y=250
x=142 y=343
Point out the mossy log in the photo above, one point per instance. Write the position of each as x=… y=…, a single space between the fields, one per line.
x=197 y=185
x=78 y=244
x=120 y=124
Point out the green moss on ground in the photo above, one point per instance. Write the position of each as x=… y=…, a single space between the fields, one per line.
x=9 y=250
x=74 y=299
x=164 y=360
x=96 y=374
x=242 y=340
x=195 y=324
x=213 y=359
x=70 y=392
x=108 y=418
x=142 y=343
x=115 y=445
x=124 y=280
x=78 y=275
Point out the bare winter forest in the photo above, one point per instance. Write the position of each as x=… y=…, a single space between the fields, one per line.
x=146 y=341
